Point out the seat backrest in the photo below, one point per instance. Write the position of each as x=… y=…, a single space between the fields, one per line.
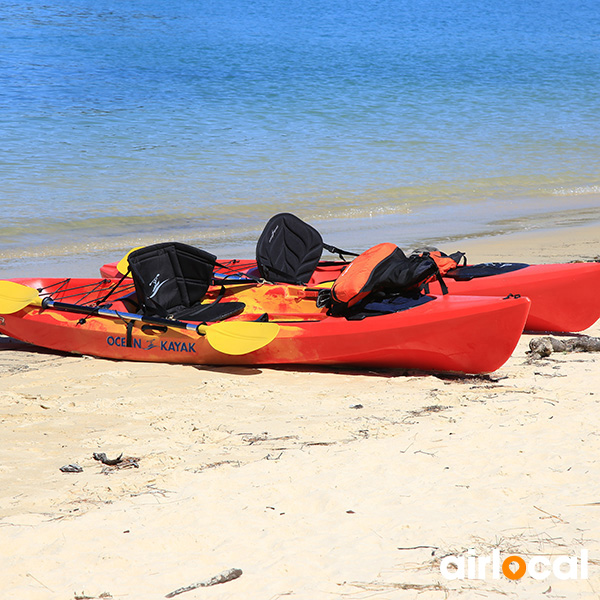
x=288 y=250
x=170 y=276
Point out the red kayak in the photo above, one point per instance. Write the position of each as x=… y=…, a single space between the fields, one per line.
x=564 y=297
x=438 y=333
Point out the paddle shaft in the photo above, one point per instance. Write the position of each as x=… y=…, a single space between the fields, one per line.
x=105 y=312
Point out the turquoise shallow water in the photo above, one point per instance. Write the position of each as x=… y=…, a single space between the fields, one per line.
x=412 y=121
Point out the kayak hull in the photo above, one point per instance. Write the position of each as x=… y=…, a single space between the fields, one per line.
x=450 y=333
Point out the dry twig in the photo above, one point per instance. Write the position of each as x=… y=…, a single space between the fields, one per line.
x=223 y=577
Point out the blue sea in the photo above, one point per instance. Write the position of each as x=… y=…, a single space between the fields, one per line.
x=412 y=121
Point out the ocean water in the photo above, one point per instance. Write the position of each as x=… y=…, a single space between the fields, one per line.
x=413 y=121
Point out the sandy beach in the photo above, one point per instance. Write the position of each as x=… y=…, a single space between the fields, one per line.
x=317 y=485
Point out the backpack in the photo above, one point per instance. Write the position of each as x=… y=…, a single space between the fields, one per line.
x=446 y=262
x=383 y=270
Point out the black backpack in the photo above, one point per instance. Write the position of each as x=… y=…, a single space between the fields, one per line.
x=380 y=273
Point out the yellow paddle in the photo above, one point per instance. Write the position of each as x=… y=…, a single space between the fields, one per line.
x=123 y=264
x=14 y=297
x=238 y=337
x=227 y=337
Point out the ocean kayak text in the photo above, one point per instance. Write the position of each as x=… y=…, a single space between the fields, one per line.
x=165 y=345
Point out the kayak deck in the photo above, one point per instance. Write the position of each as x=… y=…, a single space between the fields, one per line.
x=564 y=296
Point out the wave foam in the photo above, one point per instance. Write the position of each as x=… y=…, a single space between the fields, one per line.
x=578 y=191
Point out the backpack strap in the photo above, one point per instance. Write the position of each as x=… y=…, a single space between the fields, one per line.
x=442 y=283
x=437 y=274
x=338 y=251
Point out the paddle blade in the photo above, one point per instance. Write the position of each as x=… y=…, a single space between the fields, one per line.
x=14 y=297
x=239 y=337
x=123 y=264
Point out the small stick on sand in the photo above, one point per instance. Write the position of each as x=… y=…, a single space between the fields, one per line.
x=223 y=577
x=544 y=346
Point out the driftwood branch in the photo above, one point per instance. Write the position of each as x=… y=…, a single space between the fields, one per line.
x=545 y=346
x=223 y=577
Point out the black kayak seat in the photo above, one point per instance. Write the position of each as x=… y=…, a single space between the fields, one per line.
x=288 y=250
x=171 y=280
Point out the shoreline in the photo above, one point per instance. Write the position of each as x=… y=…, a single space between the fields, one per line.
x=559 y=243
x=315 y=483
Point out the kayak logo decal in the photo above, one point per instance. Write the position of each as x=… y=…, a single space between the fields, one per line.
x=156 y=285
x=178 y=346
x=148 y=344
x=273 y=232
x=121 y=341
